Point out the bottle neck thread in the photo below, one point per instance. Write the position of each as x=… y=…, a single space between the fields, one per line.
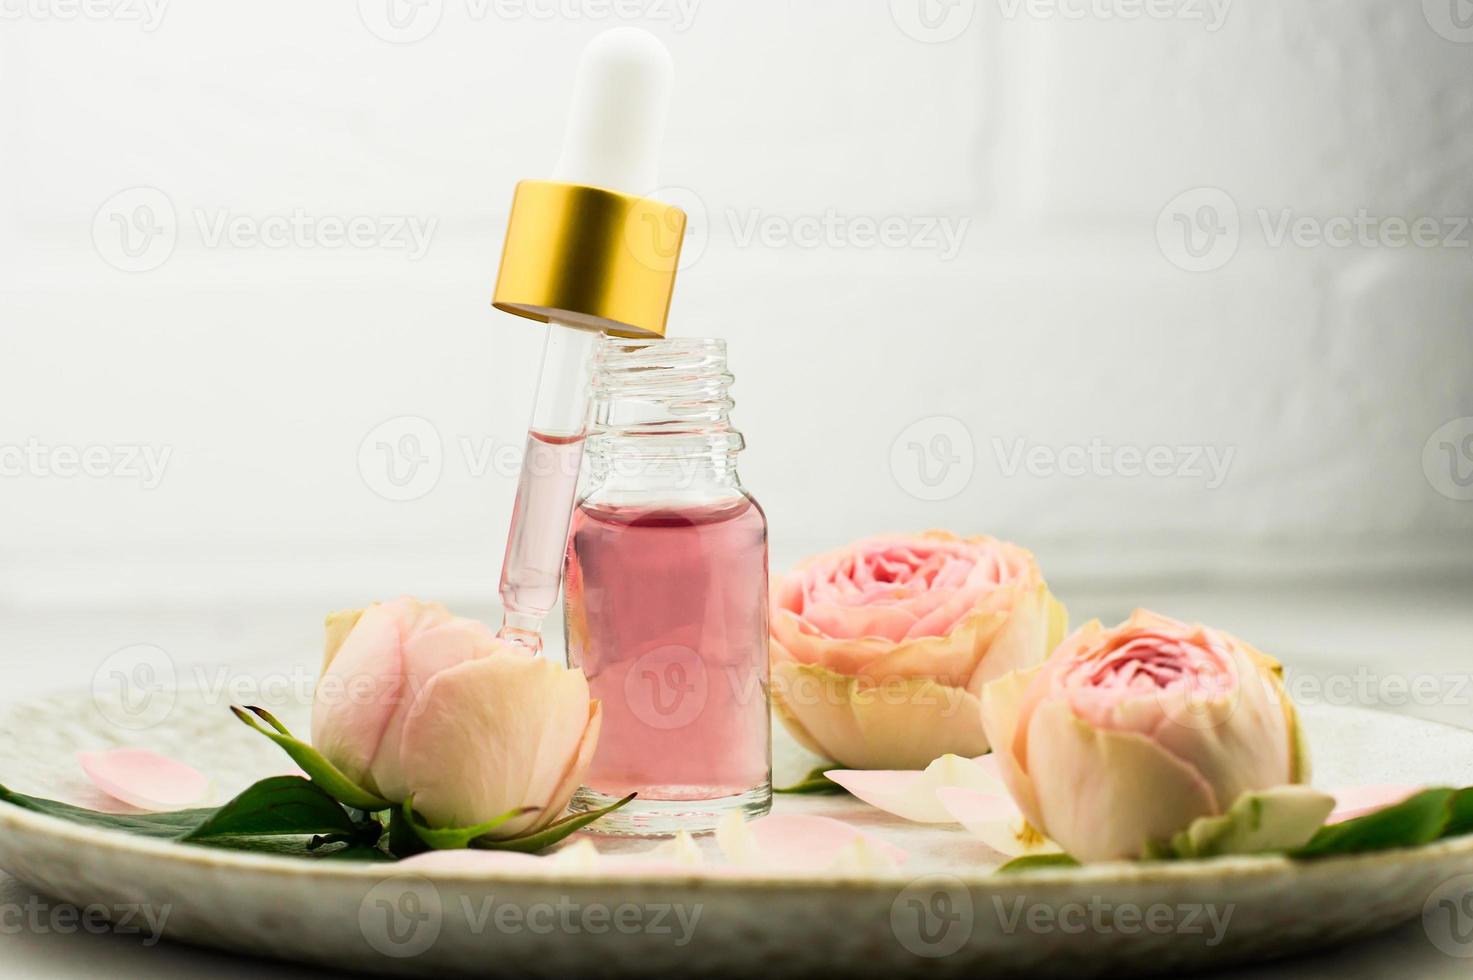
x=662 y=399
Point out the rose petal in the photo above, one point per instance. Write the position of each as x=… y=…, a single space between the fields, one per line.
x=992 y=765
x=678 y=856
x=525 y=717
x=423 y=656
x=1003 y=704
x=802 y=843
x=901 y=725
x=145 y=779
x=476 y=862
x=913 y=794
x=922 y=605
x=996 y=820
x=1357 y=801
x=1237 y=742
x=682 y=849
x=1104 y=794
x=358 y=693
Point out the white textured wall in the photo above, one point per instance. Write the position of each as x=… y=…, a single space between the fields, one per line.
x=1058 y=320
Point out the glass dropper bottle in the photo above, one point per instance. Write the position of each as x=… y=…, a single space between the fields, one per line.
x=587 y=254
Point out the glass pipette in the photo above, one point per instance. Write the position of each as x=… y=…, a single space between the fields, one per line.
x=578 y=257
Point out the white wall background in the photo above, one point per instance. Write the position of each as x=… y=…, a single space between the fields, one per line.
x=1055 y=145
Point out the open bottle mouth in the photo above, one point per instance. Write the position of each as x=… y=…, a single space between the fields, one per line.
x=646 y=390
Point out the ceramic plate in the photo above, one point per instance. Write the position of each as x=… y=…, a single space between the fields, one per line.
x=945 y=915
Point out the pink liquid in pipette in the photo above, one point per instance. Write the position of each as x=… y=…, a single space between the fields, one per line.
x=533 y=566
x=667 y=616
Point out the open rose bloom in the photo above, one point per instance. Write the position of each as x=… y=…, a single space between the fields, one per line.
x=1126 y=736
x=880 y=650
x=416 y=702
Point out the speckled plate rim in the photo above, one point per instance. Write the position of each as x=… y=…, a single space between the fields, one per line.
x=15 y=818
x=1118 y=872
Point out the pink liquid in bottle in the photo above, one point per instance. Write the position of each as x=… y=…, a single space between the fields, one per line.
x=667 y=616
x=532 y=569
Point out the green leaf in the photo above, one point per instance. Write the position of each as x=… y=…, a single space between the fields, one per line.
x=530 y=844
x=275 y=807
x=1273 y=821
x=550 y=835
x=403 y=841
x=474 y=837
x=1419 y=820
x=354 y=853
x=277 y=815
x=270 y=719
x=814 y=784
x=313 y=763
x=1037 y=862
x=170 y=825
x=296 y=848
x=1460 y=814
x=456 y=838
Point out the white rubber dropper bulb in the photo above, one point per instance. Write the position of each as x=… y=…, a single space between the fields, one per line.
x=621 y=98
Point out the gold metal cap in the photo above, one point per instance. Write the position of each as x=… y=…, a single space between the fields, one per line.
x=590 y=257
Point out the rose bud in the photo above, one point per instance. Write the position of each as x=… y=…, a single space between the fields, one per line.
x=880 y=650
x=416 y=702
x=1125 y=737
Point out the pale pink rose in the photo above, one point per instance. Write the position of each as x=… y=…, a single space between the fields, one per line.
x=1125 y=736
x=416 y=702
x=880 y=650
